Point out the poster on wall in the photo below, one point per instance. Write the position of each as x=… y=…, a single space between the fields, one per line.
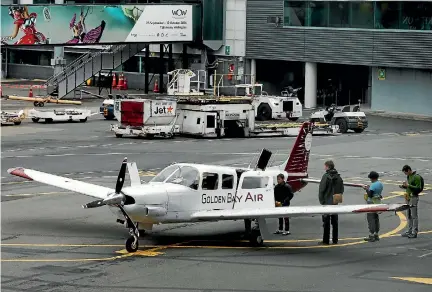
x=95 y=24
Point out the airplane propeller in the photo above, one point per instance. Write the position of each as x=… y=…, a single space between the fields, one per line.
x=116 y=198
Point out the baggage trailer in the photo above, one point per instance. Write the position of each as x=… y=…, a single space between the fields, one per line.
x=12 y=118
x=217 y=118
x=145 y=118
x=61 y=115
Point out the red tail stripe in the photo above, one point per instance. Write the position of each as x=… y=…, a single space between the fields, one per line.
x=19 y=172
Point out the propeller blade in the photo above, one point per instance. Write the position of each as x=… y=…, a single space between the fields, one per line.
x=94 y=204
x=121 y=176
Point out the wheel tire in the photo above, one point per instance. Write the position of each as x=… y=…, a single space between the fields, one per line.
x=35 y=120
x=119 y=135
x=293 y=119
x=17 y=123
x=264 y=112
x=358 y=130
x=343 y=125
x=36 y=103
x=41 y=104
x=83 y=120
x=130 y=247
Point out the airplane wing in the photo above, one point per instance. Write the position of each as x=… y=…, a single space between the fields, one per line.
x=84 y=188
x=297 y=211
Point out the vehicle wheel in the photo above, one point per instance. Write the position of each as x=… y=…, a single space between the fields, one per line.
x=264 y=112
x=130 y=246
x=41 y=104
x=119 y=135
x=343 y=125
x=256 y=238
x=48 y=120
x=83 y=120
x=36 y=103
x=293 y=119
x=358 y=130
x=35 y=120
x=17 y=123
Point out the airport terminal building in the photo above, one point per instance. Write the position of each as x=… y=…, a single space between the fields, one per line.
x=376 y=51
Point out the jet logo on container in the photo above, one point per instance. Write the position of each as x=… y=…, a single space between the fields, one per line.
x=179 y=13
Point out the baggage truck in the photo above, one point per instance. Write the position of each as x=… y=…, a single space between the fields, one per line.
x=145 y=118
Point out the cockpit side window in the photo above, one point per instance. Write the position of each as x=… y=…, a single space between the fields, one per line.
x=255 y=182
x=164 y=174
x=186 y=176
x=210 y=181
x=227 y=181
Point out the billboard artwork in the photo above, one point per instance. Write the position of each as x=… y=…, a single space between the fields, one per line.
x=95 y=24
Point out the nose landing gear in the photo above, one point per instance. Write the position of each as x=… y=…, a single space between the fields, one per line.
x=132 y=243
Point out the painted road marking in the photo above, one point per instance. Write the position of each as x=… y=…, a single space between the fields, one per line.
x=425 y=255
x=427 y=281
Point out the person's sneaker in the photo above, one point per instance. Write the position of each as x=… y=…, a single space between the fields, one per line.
x=406 y=234
x=323 y=243
x=278 y=232
x=286 y=233
x=376 y=237
x=335 y=242
x=412 y=235
x=370 y=238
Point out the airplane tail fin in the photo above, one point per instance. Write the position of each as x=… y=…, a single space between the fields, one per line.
x=298 y=160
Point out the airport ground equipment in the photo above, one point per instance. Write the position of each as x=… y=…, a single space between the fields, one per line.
x=60 y=115
x=145 y=118
x=107 y=109
x=8 y=118
x=345 y=117
x=232 y=117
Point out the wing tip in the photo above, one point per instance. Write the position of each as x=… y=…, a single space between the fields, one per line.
x=19 y=171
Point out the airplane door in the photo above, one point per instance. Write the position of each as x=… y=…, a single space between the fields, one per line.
x=210 y=124
x=255 y=190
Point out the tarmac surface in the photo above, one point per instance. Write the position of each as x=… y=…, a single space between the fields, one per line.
x=49 y=243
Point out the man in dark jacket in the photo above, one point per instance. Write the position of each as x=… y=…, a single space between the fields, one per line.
x=283 y=194
x=331 y=183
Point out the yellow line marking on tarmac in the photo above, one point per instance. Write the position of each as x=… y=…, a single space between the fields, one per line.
x=427 y=281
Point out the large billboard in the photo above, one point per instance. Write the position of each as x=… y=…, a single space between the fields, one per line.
x=95 y=24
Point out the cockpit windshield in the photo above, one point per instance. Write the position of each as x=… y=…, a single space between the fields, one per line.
x=179 y=174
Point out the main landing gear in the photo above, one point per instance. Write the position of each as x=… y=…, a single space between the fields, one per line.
x=255 y=236
x=132 y=243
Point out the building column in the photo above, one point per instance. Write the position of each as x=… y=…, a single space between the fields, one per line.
x=310 y=93
x=59 y=61
x=253 y=70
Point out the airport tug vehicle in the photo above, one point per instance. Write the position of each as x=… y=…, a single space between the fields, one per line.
x=190 y=192
x=8 y=118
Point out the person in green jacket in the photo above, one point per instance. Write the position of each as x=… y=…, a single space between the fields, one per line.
x=413 y=188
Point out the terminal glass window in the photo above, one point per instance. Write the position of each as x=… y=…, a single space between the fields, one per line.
x=255 y=182
x=318 y=14
x=295 y=13
x=403 y=15
x=339 y=12
x=387 y=15
x=362 y=14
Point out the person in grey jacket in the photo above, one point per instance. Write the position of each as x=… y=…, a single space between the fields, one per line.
x=331 y=183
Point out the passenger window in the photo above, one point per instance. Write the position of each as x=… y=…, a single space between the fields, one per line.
x=198 y=121
x=255 y=182
x=227 y=181
x=210 y=181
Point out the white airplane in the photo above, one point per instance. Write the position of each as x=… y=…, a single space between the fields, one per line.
x=188 y=192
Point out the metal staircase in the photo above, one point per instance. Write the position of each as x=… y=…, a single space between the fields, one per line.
x=86 y=66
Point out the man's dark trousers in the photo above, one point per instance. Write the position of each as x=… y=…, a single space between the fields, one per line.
x=281 y=223
x=333 y=220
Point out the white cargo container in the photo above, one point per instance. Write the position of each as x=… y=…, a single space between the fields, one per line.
x=145 y=117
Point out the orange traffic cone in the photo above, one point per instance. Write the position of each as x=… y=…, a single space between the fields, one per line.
x=156 y=86
x=30 y=92
x=121 y=82
x=114 y=81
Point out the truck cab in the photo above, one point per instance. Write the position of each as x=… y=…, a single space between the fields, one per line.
x=271 y=106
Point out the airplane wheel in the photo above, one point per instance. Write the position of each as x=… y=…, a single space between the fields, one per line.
x=130 y=246
x=256 y=238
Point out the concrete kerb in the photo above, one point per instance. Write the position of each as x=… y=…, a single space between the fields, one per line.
x=397 y=115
